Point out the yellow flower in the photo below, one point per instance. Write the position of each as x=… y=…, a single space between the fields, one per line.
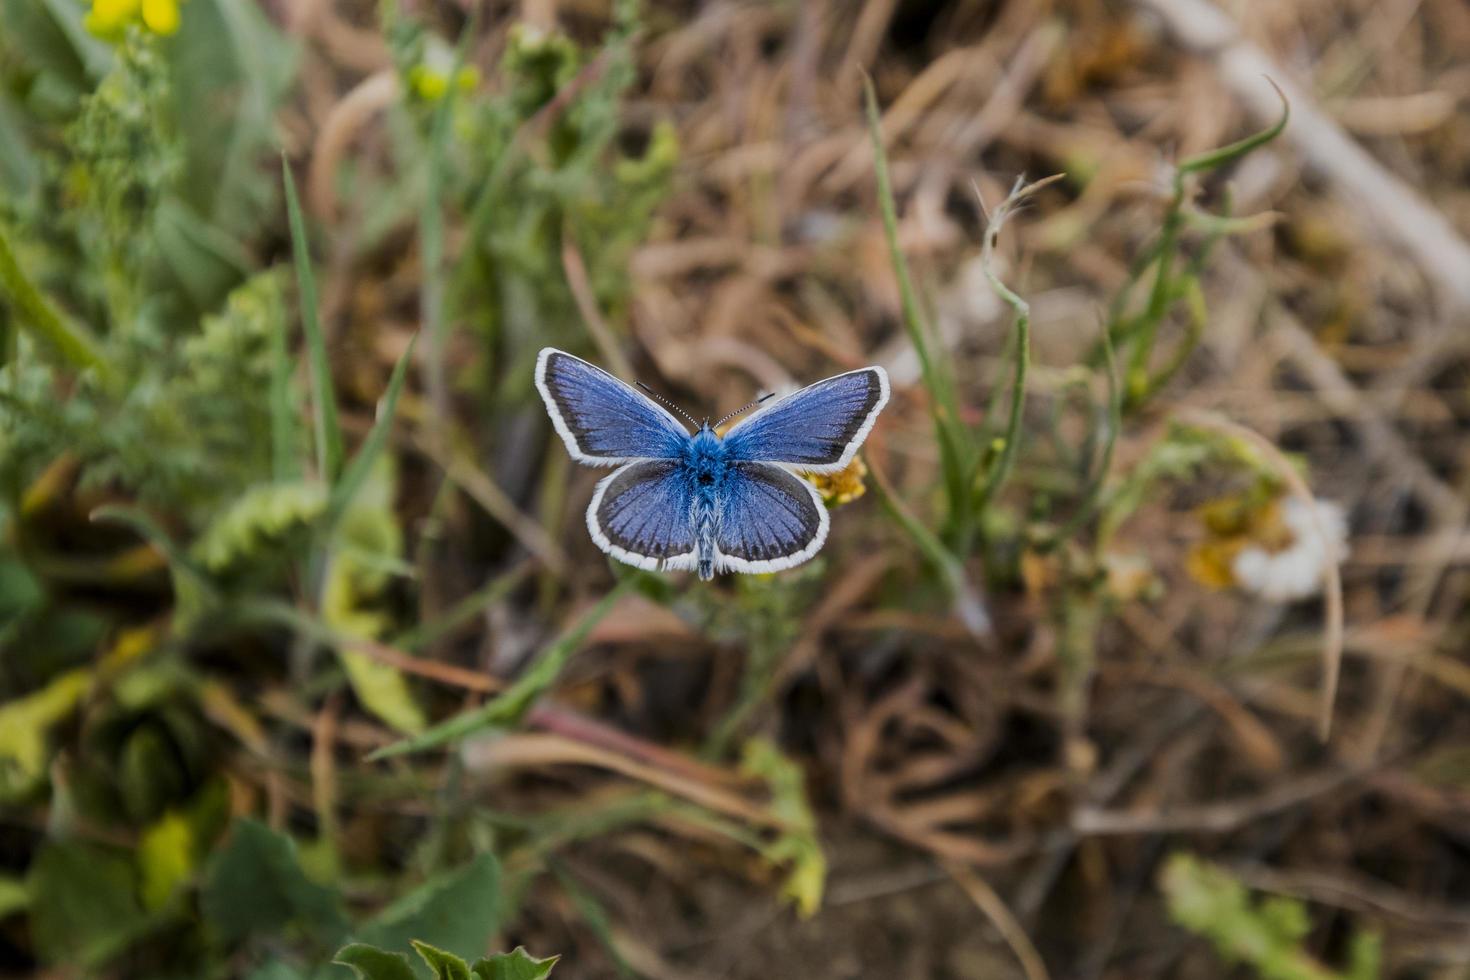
x=1273 y=548
x=108 y=19
x=842 y=487
x=161 y=16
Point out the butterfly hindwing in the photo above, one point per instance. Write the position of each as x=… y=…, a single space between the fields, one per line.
x=769 y=519
x=603 y=421
x=640 y=514
x=817 y=429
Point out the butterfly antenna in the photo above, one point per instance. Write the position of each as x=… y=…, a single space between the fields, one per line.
x=664 y=401
x=745 y=409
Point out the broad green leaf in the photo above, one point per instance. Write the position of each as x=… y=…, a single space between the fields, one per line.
x=14 y=895
x=371 y=963
x=19 y=591
x=166 y=854
x=255 y=885
x=446 y=966
x=515 y=965
x=84 y=904
x=367 y=540
x=24 y=725
x=458 y=912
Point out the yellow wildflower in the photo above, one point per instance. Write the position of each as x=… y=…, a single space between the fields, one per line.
x=842 y=487
x=108 y=19
x=161 y=16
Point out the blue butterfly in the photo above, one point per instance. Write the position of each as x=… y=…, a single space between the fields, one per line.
x=680 y=501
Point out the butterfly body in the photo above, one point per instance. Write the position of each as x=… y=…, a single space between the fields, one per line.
x=702 y=501
x=705 y=469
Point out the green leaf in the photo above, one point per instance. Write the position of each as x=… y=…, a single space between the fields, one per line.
x=24 y=725
x=446 y=966
x=371 y=963
x=458 y=911
x=255 y=885
x=367 y=541
x=35 y=312
x=14 y=895
x=258 y=520
x=323 y=398
x=797 y=845
x=166 y=854
x=515 y=965
x=84 y=905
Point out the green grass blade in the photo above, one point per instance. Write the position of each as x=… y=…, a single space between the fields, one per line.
x=285 y=466
x=323 y=398
x=1092 y=497
x=372 y=447
x=955 y=448
x=1226 y=154
x=1000 y=469
x=464 y=610
x=966 y=598
x=508 y=707
x=33 y=311
x=431 y=230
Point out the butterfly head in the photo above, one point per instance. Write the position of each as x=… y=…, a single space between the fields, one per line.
x=704 y=457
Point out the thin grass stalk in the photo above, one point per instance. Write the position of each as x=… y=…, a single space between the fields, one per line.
x=955 y=450
x=323 y=399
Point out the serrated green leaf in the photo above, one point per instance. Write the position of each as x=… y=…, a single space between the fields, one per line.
x=458 y=911
x=255 y=885
x=259 y=519
x=515 y=965
x=446 y=966
x=371 y=963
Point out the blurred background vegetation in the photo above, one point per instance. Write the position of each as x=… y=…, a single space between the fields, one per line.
x=1139 y=648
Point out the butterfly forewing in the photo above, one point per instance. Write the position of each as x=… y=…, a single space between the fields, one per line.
x=640 y=513
x=819 y=428
x=769 y=519
x=602 y=420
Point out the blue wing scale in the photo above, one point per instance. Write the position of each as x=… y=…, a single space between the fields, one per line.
x=640 y=514
x=768 y=520
x=818 y=429
x=603 y=421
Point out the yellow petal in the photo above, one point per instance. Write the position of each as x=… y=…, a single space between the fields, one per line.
x=108 y=18
x=161 y=16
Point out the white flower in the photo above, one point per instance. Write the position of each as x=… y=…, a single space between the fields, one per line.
x=1296 y=571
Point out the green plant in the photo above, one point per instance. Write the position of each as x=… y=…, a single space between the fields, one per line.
x=1266 y=935
x=371 y=963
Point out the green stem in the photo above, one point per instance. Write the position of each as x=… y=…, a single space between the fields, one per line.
x=33 y=311
x=510 y=705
